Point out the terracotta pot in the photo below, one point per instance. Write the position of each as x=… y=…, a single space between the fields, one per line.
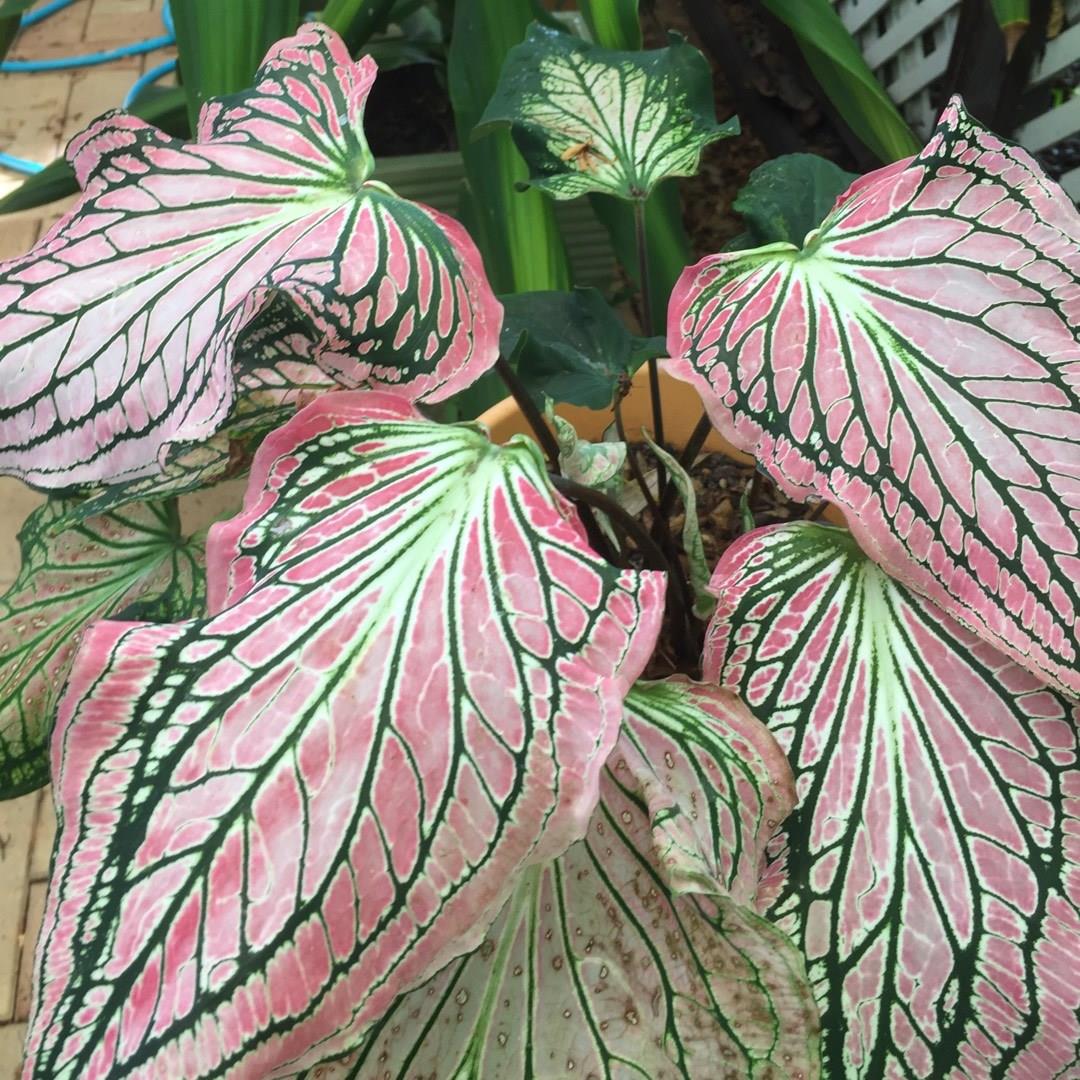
x=682 y=410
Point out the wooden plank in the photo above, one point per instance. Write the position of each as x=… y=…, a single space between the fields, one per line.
x=16 y=501
x=905 y=29
x=17 y=818
x=1071 y=183
x=44 y=834
x=1051 y=127
x=857 y=13
x=17 y=237
x=1060 y=53
x=12 y=1037
x=35 y=910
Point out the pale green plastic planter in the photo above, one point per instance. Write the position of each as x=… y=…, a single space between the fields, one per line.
x=437 y=179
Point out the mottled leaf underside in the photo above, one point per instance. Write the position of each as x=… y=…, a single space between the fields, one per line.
x=917 y=363
x=278 y=818
x=117 y=329
x=636 y=953
x=931 y=873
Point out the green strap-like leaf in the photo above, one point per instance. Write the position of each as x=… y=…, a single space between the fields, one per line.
x=593 y=119
x=613 y=23
x=133 y=563
x=635 y=954
x=516 y=231
x=835 y=60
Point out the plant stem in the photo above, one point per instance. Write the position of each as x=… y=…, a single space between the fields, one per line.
x=550 y=445
x=647 y=319
x=686 y=460
x=678 y=602
x=544 y=435
x=632 y=460
x=626 y=522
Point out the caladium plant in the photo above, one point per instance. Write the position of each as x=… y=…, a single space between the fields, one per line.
x=432 y=779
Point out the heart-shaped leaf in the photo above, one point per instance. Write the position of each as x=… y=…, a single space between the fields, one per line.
x=118 y=328
x=576 y=348
x=931 y=874
x=277 y=819
x=592 y=119
x=102 y=567
x=787 y=197
x=634 y=953
x=917 y=364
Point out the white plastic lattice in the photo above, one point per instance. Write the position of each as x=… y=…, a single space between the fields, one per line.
x=907 y=45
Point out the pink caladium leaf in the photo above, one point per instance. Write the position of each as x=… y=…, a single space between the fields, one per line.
x=275 y=364
x=276 y=819
x=117 y=332
x=932 y=869
x=916 y=362
x=106 y=566
x=275 y=374
x=637 y=952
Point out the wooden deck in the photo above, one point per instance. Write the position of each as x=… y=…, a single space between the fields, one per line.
x=39 y=113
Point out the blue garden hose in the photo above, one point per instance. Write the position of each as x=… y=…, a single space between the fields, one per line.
x=143 y=81
x=10 y=161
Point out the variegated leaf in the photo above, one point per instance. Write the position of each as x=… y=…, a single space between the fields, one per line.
x=277 y=819
x=634 y=953
x=275 y=373
x=274 y=362
x=104 y=567
x=697 y=564
x=917 y=364
x=117 y=331
x=932 y=871
x=587 y=118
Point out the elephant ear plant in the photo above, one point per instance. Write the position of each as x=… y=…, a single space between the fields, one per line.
x=371 y=783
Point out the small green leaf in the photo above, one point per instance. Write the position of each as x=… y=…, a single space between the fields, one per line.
x=587 y=118
x=786 y=198
x=576 y=347
x=596 y=465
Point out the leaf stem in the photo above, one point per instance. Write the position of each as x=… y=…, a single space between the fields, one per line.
x=632 y=459
x=544 y=435
x=678 y=602
x=642 y=243
x=686 y=460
